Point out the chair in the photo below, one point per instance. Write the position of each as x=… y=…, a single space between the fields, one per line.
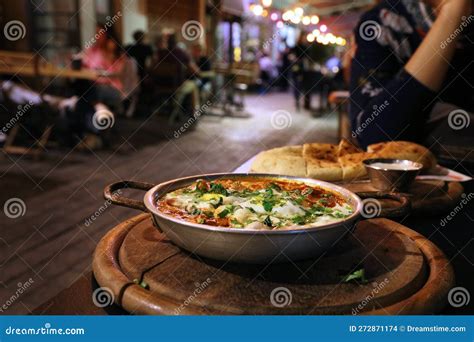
x=26 y=65
x=169 y=82
x=340 y=99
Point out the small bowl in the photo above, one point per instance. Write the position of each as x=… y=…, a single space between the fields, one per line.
x=392 y=174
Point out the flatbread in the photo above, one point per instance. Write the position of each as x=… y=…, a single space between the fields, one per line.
x=287 y=160
x=352 y=166
x=346 y=147
x=404 y=150
x=321 y=161
x=333 y=163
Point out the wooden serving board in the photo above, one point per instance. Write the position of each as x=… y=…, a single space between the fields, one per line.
x=428 y=197
x=406 y=274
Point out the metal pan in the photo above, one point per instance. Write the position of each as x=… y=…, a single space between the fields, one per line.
x=242 y=245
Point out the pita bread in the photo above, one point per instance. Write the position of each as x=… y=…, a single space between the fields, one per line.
x=404 y=150
x=352 y=166
x=346 y=147
x=286 y=160
x=321 y=161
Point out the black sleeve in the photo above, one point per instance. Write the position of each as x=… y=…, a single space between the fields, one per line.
x=387 y=103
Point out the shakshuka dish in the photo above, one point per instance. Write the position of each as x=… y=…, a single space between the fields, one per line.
x=255 y=204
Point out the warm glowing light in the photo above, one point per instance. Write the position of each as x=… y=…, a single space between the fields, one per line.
x=296 y=20
x=310 y=37
x=288 y=15
x=306 y=20
x=267 y=3
x=257 y=10
x=323 y=28
x=316 y=32
x=339 y=41
x=331 y=38
x=280 y=24
x=319 y=39
x=265 y=13
x=237 y=54
x=274 y=16
x=314 y=19
x=299 y=11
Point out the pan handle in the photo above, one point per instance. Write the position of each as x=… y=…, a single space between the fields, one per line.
x=111 y=195
x=402 y=210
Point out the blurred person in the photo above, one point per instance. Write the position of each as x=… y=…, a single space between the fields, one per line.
x=285 y=68
x=119 y=78
x=405 y=76
x=200 y=59
x=299 y=65
x=140 y=52
x=203 y=62
x=159 y=48
x=268 y=69
x=177 y=54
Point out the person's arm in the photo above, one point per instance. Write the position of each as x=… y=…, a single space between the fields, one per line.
x=390 y=100
x=193 y=68
x=430 y=62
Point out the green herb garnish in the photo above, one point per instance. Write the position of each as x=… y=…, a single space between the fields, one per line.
x=224 y=213
x=358 y=275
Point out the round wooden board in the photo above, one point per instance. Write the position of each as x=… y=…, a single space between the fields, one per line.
x=406 y=274
x=429 y=197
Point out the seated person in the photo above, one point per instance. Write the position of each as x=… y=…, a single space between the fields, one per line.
x=120 y=78
x=187 y=70
x=140 y=52
x=204 y=64
x=75 y=119
x=406 y=61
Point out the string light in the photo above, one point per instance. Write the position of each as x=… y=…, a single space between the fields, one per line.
x=274 y=16
x=306 y=20
x=314 y=19
x=310 y=37
x=257 y=10
x=266 y=3
x=323 y=28
x=299 y=11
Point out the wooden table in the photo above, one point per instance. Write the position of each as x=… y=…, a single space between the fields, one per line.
x=77 y=299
